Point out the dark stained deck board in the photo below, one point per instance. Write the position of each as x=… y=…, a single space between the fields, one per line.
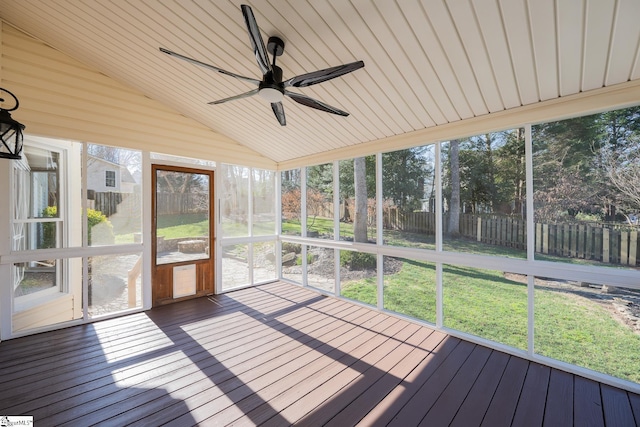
x=281 y=370
x=530 y=409
x=398 y=397
x=84 y=349
x=267 y=373
x=587 y=403
x=118 y=325
x=75 y=367
x=351 y=403
x=82 y=392
x=449 y=401
x=634 y=399
x=429 y=391
x=279 y=354
x=616 y=407
x=474 y=407
x=373 y=365
x=226 y=356
x=278 y=396
x=274 y=395
x=557 y=412
x=505 y=400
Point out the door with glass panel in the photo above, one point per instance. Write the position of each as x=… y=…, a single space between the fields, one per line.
x=182 y=234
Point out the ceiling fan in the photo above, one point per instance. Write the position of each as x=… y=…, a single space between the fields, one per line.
x=272 y=87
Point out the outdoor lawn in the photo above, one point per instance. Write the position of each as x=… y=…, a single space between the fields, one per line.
x=183 y=225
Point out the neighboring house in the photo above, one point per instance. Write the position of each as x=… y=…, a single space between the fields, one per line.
x=105 y=176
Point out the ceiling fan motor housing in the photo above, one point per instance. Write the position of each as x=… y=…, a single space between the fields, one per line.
x=271 y=87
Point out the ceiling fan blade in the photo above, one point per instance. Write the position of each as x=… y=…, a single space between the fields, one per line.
x=320 y=76
x=211 y=67
x=231 y=98
x=314 y=103
x=256 y=39
x=278 y=110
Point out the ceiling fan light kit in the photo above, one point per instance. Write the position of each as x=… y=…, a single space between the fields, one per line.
x=271 y=94
x=272 y=88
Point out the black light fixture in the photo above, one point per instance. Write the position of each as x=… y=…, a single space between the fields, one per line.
x=10 y=130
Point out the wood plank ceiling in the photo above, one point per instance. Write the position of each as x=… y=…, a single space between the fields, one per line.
x=427 y=62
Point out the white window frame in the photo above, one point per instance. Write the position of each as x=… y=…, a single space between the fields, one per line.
x=110 y=178
x=25 y=302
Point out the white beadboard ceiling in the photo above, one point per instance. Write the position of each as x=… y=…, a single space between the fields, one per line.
x=427 y=63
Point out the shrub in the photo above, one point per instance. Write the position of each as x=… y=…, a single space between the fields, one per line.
x=49 y=228
x=357 y=260
x=291 y=204
x=100 y=228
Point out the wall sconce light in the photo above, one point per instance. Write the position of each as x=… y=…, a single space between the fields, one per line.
x=10 y=131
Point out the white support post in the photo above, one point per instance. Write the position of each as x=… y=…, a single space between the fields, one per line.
x=303 y=222
x=439 y=228
x=336 y=226
x=530 y=314
x=528 y=149
x=379 y=232
x=278 y=214
x=303 y=202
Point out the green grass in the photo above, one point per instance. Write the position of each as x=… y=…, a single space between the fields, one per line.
x=486 y=304
x=582 y=332
x=322 y=226
x=185 y=225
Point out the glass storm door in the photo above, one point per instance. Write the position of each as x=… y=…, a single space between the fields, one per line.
x=182 y=234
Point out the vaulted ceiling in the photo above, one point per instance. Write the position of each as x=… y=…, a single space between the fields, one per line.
x=427 y=63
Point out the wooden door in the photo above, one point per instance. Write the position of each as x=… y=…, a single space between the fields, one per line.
x=182 y=234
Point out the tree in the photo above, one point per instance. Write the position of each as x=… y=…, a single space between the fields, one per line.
x=585 y=165
x=320 y=178
x=624 y=173
x=319 y=190
x=511 y=172
x=478 y=191
x=291 y=195
x=404 y=174
x=565 y=172
x=454 y=201
x=620 y=156
x=290 y=180
x=360 y=186
x=347 y=183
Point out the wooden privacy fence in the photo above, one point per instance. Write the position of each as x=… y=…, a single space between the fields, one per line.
x=584 y=241
x=495 y=230
x=130 y=204
x=110 y=203
x=181 y=203
x=415 y=222
x=603 y=243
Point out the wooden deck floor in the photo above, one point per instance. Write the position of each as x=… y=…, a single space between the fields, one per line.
x=278 y=354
